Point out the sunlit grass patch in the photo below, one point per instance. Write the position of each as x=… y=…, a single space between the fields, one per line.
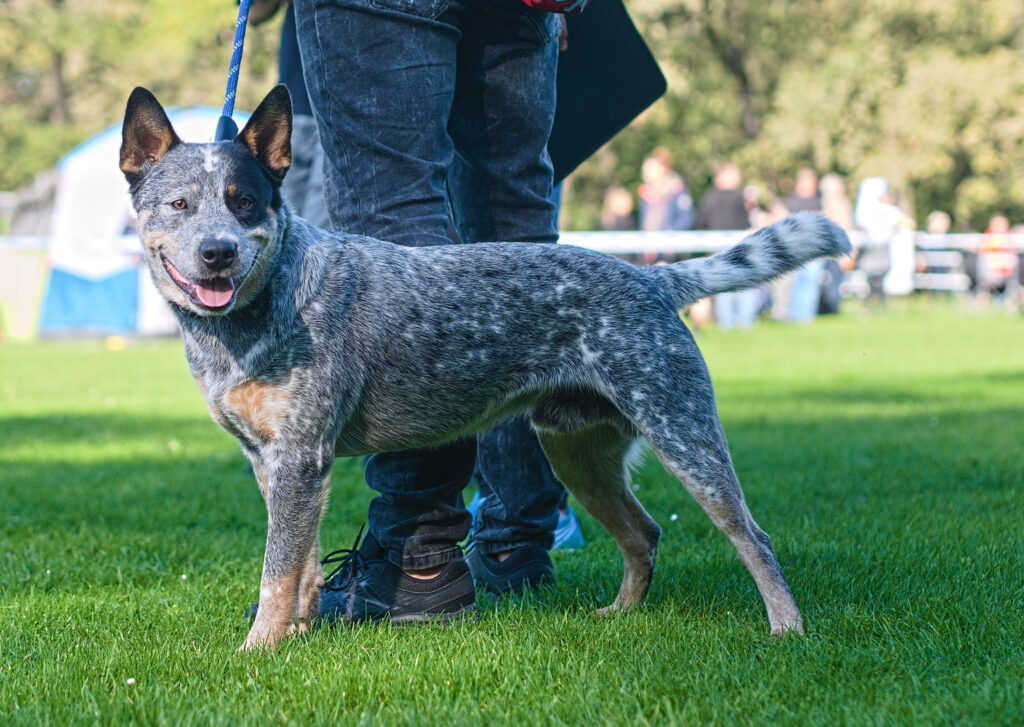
x=883 y=456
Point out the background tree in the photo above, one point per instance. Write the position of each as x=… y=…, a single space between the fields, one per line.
x=68 y=66
x=927 y=93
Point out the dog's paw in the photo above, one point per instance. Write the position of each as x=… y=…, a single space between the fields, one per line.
x=252 y=646
x=793 y=627
x=265 y=637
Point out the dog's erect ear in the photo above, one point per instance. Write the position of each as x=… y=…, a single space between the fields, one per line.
x=146 y=135
x=268 y=135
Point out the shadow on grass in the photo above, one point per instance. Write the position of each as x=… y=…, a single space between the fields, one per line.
x=69 y=429
x=857 y=504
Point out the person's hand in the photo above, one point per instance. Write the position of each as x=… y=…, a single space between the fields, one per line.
x=260 y=11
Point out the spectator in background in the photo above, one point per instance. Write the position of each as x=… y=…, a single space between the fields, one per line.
x=1016 y=290
x=834 y=203
x=805 y=196
x=757 y=216
x=880 y=219
x=723 y=208
x=617 y=210
x=805 y=293
x=665 y=203
x=938 y=223
x=836 y=206
x=997 y=258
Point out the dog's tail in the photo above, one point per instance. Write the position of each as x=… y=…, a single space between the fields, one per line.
x=766 y=254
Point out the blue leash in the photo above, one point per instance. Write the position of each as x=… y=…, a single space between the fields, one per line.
x=227 y=129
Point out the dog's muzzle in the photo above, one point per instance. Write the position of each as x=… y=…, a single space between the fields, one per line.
x=212 y=293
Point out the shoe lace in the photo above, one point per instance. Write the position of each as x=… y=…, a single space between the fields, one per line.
x=346 y=562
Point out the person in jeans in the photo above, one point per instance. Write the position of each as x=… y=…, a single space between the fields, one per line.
x=805 y=283
x=723 y=208
x=430 y=110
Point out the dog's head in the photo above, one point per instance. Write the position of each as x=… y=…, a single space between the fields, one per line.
x=208 y=213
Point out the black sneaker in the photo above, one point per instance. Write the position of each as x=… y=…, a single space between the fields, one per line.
x=365 y=586
x=527 y=567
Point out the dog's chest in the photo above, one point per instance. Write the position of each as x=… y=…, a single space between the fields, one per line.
x=257 y=409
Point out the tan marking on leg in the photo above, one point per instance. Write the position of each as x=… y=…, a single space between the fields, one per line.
x=311 y=583
x=277 y=616
x=291 y=602
x=592 y=465
x=260 y=405
x=312 y=575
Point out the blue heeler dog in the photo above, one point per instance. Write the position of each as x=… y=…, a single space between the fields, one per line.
x=309 y=345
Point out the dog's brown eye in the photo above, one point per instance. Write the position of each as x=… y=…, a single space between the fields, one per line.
x=179 y=204
x=244 y=203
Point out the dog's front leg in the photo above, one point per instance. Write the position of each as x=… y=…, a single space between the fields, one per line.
x=310 y=585
x=295 y=492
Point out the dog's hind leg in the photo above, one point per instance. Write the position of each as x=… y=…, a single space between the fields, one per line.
x=681 y=423
x=709 y=477
x=592 y=464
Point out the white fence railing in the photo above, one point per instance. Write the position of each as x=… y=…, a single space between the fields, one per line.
x=941 y=262
x=687 y=242
x=690 y=242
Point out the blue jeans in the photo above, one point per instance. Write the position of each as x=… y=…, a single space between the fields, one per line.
x=806 y=292
x=737 y=309
x=430 y=110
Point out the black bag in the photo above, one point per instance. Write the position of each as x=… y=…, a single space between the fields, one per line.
x=606 y=78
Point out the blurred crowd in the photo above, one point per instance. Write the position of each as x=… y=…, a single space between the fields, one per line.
x=885 y=260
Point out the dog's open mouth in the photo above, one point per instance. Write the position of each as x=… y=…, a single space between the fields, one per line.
x=212 y=293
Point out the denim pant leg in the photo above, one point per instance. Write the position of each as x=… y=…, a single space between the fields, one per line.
x=500 y=185
x=803 y=304
x=419 y=515
x=381 y=80
x=501 y=177
x=724 y=304
x=520 y=495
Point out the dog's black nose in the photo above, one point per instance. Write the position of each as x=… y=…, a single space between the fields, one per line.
x=217 y=254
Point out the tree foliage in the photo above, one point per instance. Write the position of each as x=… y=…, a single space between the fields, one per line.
x=69 y=65
x=924 y=92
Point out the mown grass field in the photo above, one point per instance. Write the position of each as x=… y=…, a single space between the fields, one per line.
x=884 y=456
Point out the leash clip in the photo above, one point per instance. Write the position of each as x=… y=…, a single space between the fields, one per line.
x=227 y=129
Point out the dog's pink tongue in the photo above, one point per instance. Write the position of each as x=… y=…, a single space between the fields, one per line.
x=214 y=293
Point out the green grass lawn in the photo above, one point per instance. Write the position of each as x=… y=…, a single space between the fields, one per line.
x=884 y=457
